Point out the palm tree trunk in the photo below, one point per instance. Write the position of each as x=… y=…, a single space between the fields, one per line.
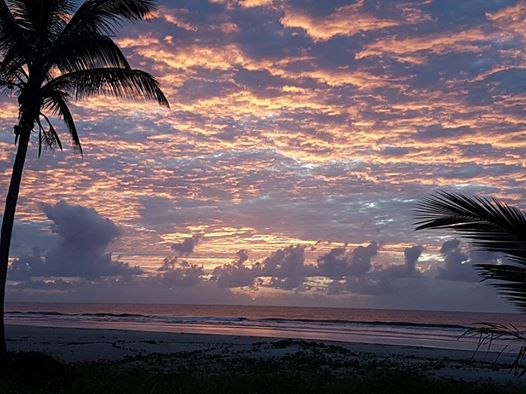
x=8 y=221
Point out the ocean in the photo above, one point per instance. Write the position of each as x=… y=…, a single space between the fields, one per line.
x=389 y=327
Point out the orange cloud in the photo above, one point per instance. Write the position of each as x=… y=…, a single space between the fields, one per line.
x=140 y=41
x=230 y=4
x=218 y=58
x=464 y=41
x=345 y=21
x=511 y=20
x=255 y=3
x=361 y=79
x=330 y=130
x=227 y=27
x=175 y=17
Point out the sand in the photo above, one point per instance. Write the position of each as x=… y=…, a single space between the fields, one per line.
x=175 y=349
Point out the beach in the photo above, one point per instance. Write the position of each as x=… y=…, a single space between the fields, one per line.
x=144 y=348
x=172 y=351
x=426 y=329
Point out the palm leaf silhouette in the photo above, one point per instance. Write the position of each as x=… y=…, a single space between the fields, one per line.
x=53 y=53
x=489 y=224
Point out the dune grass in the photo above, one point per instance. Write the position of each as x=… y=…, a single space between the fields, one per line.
x=37 y=373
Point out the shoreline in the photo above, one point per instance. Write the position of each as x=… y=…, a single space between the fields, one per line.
x=375 y=336
x=176 y=349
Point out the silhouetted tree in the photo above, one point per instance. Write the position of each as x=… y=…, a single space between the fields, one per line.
x=53 y=53
x=488 y=224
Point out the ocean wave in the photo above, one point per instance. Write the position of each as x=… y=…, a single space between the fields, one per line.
x=221 y=320
x=374 y=323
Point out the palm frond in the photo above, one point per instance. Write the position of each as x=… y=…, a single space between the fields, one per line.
x=105 y=16
x=12 y=65
x=8 y=88
x=489 y=224
x=42 y=38
x=116 y=82
x=488 y=333
x=58 y=105
x=44 y=20
x=53 y=135
x=47 y=137
x=508 y=279
x=84 y=51
x=10 y=32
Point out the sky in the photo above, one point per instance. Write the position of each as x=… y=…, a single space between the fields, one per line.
x=301 y=136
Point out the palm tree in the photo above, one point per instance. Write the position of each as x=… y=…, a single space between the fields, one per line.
x=51 y=55
x=488 y=224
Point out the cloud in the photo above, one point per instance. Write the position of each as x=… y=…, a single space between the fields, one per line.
x=175 y=17
x=114 y=289
x=511 y=19
x=404 y=49
x=230 y=4
x=187 y=246
x=365 y=281
x=255 y=3
x=411 y=256
x=347 y=20
x=285 y=135
x=437 y=131
x=408 y=269
x=181 y=273
x=236 y=274
x=363 y=285
x=83 y=239
x=176 y=272
x=286 y=267
x=242 y=256
x=459 y=262
x=341 y=262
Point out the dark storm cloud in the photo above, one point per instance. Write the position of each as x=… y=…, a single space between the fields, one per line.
x=83 y=239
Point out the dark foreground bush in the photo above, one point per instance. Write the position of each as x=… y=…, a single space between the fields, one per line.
x=38 y=373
